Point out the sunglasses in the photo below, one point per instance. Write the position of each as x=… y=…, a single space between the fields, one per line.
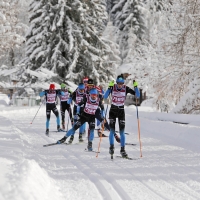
x=85 y=81
x=120 y=84
x=90 y=85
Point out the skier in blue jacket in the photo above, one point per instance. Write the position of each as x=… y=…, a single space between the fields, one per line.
x=118 y=94
x=90 y=105
x=51 y=96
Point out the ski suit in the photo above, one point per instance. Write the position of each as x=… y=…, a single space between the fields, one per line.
x=76 y=96
x=118 y=97
x=51 y=96
x=87 y=115
x=64 y=105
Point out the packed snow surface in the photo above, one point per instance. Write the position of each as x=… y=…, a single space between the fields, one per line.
x=169 y=168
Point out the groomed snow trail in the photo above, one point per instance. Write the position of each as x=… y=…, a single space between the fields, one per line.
x=169 y=168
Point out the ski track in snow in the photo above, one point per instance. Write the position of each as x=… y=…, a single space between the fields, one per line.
x=167 y=169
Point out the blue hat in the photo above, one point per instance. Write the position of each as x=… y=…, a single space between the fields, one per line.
x=93 y=91
x=120 y=80
x=81 y=86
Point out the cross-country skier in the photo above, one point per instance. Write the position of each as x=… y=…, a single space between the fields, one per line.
x=77 y=96
x=98 y=114
x=90 y=85
x=63 y=104
x=90 y=105
x=51 y=96
x=118 y=93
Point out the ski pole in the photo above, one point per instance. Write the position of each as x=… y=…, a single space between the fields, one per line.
x=37 y=111
x=101 y=132
x=139 y=130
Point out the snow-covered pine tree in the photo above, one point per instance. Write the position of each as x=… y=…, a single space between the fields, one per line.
x=11 y=30
x=179 y=47
x=128 y=16
x=65 y=37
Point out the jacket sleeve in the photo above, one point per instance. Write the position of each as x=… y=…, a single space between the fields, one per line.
x=41 y=94
x=107 y=93
x=129 y=91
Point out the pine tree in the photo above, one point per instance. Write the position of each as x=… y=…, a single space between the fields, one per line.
x=176 y=76
x=127 y=15
x=65 y=37
x=11 y=30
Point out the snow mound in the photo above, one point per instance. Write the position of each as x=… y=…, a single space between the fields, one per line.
x=4 y=100
x=30 y=181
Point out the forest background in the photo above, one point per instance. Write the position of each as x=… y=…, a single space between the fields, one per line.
x=156 y=41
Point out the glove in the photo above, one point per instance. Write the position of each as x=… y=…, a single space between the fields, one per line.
x=111 y=83
x=102 y=114
x=77 y=117
x=69 y=90
x=69 y=101
x=41 y=94
x=135 y=83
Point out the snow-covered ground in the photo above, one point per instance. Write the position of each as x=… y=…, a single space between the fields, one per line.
x=169 y=168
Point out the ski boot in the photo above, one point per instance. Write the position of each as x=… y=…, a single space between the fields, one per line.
x=71 y=139
x=111 y=149
x=89 y=147
x=123 y=152
x=117 y=138
x=58 y=128
x=80 y=137
x=63 y=125
x=47 y=132
x=62 y=140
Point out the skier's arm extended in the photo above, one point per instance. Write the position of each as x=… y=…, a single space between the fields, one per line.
x=129 y=91
x=72 y=97
x=109 y=90
x=41 y=94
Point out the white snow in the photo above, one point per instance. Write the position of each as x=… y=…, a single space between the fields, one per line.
x=168 y=169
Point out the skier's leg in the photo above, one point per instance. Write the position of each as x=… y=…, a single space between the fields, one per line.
x=91 y=136
x=121 y=119
x=48 y=115
x=56 y=113
x=112 y=117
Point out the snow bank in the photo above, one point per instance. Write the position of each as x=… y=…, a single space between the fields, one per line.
x=30 y=181
x=4 y=100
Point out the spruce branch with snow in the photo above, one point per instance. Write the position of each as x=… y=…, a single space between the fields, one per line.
x=65 y=37
x=11 y=29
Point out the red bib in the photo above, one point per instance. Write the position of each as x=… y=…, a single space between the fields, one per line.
x=90 y=108
x=51 y=97
x=118 y=96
